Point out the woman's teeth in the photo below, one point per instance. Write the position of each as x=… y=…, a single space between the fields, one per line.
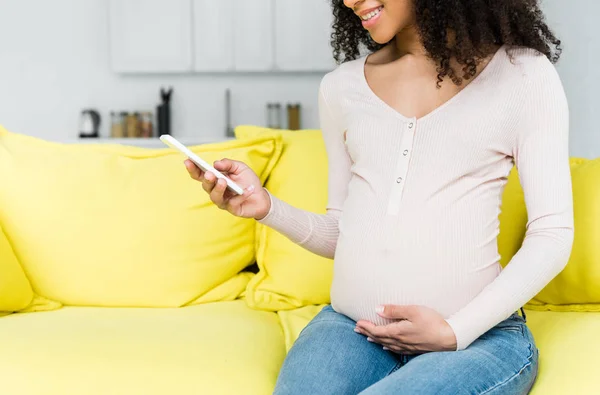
x=371 y=14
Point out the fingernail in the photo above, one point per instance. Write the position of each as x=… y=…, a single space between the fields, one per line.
x=356 y=330
x=369 y=339
x=250 y=188
x=386 y=349
x=379 y=310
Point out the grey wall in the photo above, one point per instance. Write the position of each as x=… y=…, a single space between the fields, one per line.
x=54 y=61
x=577 y=23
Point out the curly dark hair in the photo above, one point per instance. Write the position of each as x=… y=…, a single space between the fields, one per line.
x=478 y=26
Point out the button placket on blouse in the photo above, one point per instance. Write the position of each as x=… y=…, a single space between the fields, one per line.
x=402 y=167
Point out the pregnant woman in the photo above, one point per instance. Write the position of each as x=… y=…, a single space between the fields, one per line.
x=433 y=103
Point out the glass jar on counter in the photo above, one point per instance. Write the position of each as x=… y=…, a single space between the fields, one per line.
x=274 y=115
x=146 y=125
x=293 y=111
x=133 y=129
x=117 y=125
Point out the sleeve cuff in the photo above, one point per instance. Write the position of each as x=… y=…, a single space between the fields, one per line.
x=268 y=217
x=464 y=334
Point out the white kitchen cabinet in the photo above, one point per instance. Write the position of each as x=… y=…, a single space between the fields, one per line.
x=253 y=35
x=214 y=35
x=150 y=35
x=302 y=35
x=181 y=36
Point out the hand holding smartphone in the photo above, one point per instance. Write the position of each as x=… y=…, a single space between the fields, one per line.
x=202 y=164
x=252 y=202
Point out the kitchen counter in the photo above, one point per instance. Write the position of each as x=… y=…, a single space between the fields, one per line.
x=145 y=142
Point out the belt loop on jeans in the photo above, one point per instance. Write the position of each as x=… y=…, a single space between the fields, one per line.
x=523 y=314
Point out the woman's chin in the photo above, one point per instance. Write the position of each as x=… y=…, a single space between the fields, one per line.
x=381 y=37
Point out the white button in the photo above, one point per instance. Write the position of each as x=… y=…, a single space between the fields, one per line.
x=399 y=180
x=405 y=152
x=410 y=125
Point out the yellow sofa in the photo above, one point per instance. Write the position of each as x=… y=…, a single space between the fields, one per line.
x=117 y=276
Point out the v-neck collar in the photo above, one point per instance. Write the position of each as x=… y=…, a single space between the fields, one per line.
x=480 y=78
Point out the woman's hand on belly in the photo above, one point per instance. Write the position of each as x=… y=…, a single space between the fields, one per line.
x=418 y=330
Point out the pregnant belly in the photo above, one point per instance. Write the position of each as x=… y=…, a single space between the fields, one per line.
x=364 y=280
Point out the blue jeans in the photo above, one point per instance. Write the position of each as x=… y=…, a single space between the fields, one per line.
x=329 y=358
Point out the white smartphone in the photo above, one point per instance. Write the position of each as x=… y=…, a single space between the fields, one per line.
x=173 y=143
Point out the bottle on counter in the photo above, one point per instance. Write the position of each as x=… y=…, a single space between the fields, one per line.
x=229 y=131
x=163 y=111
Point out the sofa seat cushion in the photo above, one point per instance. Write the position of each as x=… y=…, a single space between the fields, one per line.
x=569 y=346
x=216 y=348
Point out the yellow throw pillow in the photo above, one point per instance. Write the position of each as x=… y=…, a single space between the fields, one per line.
x=122 y=226
x=232 y=289
x=15 y=290
x=513 y=219
x=16 y=295
x=577 y=287
x=289 y=275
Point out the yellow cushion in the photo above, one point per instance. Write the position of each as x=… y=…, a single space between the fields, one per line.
x=231 y=289
x=569 y=349
x=289 y=275
x=15 y=290
x=577 y=288
x=40 y=303
x=122 y=226
x=513 y=219
x=16 y=294
x=218 y=348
